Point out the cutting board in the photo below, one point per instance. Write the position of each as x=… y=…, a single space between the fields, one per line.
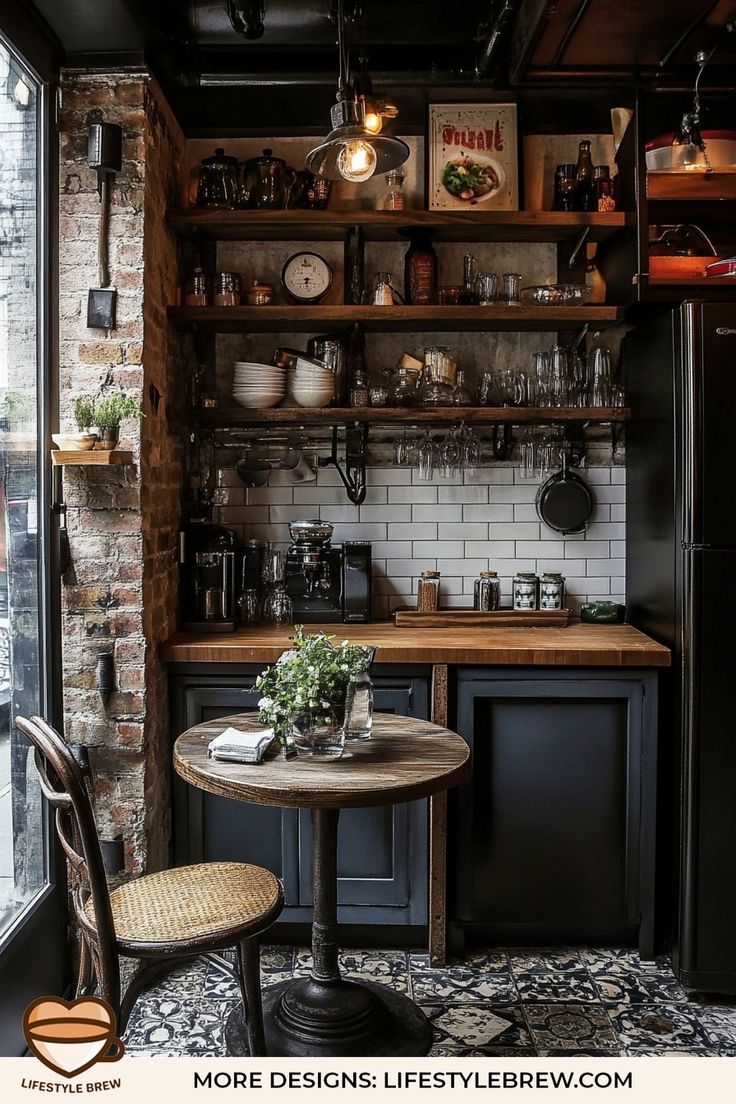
x=480 y=619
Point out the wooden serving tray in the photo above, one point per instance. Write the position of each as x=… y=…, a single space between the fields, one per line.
x=407 y=618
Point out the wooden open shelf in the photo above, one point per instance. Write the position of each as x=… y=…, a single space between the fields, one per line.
x=440 y=415
x=93 y=458
x=305 y=319
x=473 y=226
x=718 y=186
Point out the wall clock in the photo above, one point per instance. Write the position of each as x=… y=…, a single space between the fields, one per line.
x=306 y=278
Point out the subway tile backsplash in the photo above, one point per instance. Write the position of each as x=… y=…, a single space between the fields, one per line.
x=460 y=527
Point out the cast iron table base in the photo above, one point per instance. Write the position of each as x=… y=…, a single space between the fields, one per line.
x=323 y=1015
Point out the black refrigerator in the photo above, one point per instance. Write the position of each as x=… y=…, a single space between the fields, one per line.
x=681 y=588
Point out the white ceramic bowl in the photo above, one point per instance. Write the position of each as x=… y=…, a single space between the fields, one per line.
x=257 y=402
x=313 y=398
x=74 y=442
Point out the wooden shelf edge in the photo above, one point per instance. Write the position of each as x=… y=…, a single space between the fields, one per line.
x=384 y=225
x=93 y=458
x=332 y=415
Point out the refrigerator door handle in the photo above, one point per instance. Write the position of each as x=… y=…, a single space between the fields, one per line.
x=690 y=344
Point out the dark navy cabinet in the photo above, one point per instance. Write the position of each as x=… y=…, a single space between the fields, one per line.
x=554 y=834
x=382 y=853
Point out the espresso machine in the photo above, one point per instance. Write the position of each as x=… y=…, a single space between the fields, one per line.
x=207 y=577
x=327 y=582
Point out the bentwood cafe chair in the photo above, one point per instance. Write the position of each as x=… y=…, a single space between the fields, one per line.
x=157 y=918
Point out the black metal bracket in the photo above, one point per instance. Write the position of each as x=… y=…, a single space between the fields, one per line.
x=353 y=473
x=575 y=444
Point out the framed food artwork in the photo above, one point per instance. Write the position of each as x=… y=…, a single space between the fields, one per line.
x=472 y=159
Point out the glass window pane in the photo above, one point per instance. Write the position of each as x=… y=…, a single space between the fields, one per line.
x=22 y=862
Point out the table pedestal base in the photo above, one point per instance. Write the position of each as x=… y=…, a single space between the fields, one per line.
x=347 y=1019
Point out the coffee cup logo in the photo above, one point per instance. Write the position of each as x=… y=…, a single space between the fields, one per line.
x=70 y=1036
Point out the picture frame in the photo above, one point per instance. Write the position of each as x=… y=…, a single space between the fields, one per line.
x=481 y=139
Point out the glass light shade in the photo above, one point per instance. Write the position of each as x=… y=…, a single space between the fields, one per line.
x=356 y=161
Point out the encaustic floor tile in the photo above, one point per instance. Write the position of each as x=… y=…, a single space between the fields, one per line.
x=386 y=967
x=648 y=1026
x=478 y=1026
x=629 y=987
x=544 y=961
x=570 y=985
x=460 y=985
x=570 y=1027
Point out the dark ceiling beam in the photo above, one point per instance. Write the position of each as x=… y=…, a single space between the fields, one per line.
x=492 y=33
x=530 y=22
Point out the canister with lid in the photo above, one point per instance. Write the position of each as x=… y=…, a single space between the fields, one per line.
x=525 y=590
x=487 y=591
x=428 y=591
x=551 y=591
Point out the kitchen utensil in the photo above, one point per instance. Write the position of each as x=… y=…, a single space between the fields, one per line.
x=557 y=295
x=564 y=502
x=218 y=181
x=270 y=180
x=295 y=467
x=684 y=240
x=253 y=473
x=662 y=155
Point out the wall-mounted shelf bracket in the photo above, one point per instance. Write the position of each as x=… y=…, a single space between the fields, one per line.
x=353 y=472
x=502 y=440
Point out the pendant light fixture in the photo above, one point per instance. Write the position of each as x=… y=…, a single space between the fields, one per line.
x=351 y=150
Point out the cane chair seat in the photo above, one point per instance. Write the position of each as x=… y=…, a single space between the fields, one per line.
x=196 y=905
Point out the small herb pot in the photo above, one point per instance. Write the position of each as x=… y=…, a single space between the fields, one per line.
x=107 y=437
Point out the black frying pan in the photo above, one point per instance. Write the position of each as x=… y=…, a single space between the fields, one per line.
x=565 y=502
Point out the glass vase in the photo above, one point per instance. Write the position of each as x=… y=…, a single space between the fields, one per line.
x=318 y=732
x=359 y=703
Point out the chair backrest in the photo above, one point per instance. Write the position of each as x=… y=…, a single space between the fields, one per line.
x=64 y=786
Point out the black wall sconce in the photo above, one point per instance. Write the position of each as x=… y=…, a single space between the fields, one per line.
x=106 y=676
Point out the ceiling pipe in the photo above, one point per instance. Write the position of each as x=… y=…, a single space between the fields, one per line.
x=569 y=33
x=503 y=13
x=680 y=42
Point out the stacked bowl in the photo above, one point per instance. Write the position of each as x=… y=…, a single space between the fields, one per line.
x=311 y=382
x=258 y=385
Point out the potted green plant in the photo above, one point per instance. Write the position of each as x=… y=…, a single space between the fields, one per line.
x=109 y=412
x=303 y=694
x=84 y=438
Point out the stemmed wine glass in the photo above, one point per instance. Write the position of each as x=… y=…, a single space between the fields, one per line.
x=426 y=457
x=471 y=450
x=449 y=455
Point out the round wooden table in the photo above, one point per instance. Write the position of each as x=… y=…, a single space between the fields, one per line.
x=405 y=759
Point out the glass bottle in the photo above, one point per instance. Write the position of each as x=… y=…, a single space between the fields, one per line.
x=604 y=197
x=469 y=296
x=359 y=703
x=461 y=395
x=584 y=177
x=566 y=186
x=395 y=198
x=357 y=368
x=420 y=273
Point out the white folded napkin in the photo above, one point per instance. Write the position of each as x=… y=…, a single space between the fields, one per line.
x=241 y=747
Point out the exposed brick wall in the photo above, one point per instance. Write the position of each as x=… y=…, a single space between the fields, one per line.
x=120 y=592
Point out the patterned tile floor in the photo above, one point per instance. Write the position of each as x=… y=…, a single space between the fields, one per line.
x=564 y=1001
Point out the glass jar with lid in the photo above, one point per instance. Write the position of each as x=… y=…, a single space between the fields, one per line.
x=487 y=591
x=551 y=591
x=525 y=590
x=428 y=591
x=196 y=289
x=395 y=198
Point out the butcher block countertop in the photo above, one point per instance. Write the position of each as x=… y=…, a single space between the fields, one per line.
x=577 y=645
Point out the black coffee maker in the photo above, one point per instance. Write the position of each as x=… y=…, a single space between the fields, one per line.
x=327 y=582
x=207 y=574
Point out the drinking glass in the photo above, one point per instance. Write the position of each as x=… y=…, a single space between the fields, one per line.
x=401 y=450
x=578 y=392
x=600 y=375
x=426 y=458
x=528 y=454
x=278 y=608
x=542 y=372
x=471 y=451
x=249 y=606
x=487 y=288
x=559 y=375
x=487 y=389
x=511 y=388
x=449 y=455
x=511 y=288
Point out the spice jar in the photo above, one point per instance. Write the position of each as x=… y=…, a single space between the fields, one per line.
x=551 y=591
x=428 y=591
x=258 y=294
x=420 y=273
x=603 y=186
x=487 y=591
x=196 y=289
x=525 y=590
x=395 y=198
x=226 y=289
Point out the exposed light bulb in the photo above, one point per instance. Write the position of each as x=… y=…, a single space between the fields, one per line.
x=356 y=160
x=373 y=122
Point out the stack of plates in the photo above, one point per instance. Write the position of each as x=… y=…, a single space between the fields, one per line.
x=311 y=383
x=258 y=385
